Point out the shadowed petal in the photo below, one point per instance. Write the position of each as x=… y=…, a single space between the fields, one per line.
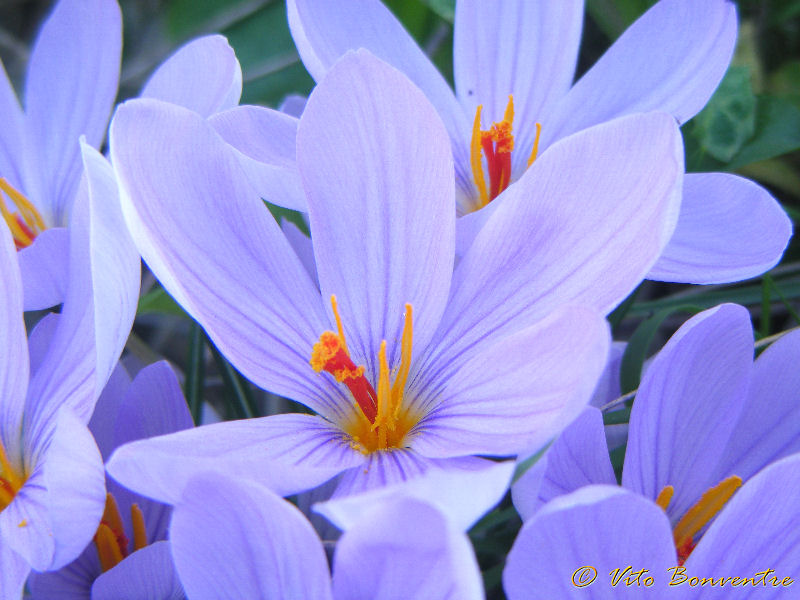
x=45 y=268
x=203 y=76
x=431 y=560
x=729 y=229
x=600 y=526
x=147 y=573
x=520 y=392
x=687 y=406
x=231 y=539
x=287 y=453
x=302 y=246
x=217 y=250
x=671 y=59
x=583 y=225
x=70 y=90
x=376 y=166
x=264 y=142
x=577 y=458
x=11 y=134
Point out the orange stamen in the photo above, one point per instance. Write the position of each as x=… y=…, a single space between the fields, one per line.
x=10 y=481
x=110 y=539
x=139 y=530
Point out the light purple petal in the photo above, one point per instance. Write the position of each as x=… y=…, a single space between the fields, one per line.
x=45 y=265
x=147 y=573
x=217 y=250
x=577 y=458
x=602 y=527
x=70 y=89
x=323 y=32
x=14 y=366
x=729 y=229
x=235 y=539
x=25 y=523
x=431 y=560
x=264 y=142
x=687 y=407
x=106 y=410
x=759 y=529
x=583 y=225
x=520 y=392
x=464 y=495
x=202 y=75
x=13 y=571
x=767 y=428
x=671 y=59
x=377 y=170
x=12 y=133
x=287 y=453
x=528 y=49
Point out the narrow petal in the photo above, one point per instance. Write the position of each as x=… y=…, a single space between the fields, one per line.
x=70 y=90
x=147 y=573
x=583 y=225
x=14 y=366
x=264 y=142
x=671 y=59
x=12 y=136
x=528 y=49
x=231 y=539
x=287 y=453
x=729 y=229
x=377 y=170
x=323 y=32
x=687 y=406
x=302 y=246
x=45 y=268
x=203 y=76
x=577 y=458
x=520 y=392
x=464 y=495
x=759 y=529
x=433 y=560
x=590 y=532
x=767 y=428
x=217 y=250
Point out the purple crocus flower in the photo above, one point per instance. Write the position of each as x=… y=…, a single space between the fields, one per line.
x=671 y=60
x=705 y=418
x=417 y=364
x=136 y=560
x=51 y=474
x=70 y=89
x=754 y=539
x=236 y=539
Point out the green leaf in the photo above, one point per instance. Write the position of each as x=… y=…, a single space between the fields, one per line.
x=444 y=8
x=195 y=372
x=636 y=351
x=615 y=16
x=159 y=301
x=529 y=462
x=777 y=132
x=729 y=118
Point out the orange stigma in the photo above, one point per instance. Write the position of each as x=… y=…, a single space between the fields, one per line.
x=495 y=145
x=381 y=422
x=699 y=515
x=25 y=224
x=10 y=480
x=110 y=539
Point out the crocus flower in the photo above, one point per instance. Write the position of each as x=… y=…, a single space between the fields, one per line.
x=129 y=556
x=406 y=362
x=236 y=539
x=609 y=528
x=70 y=89
x=514 y=63
x=705 y=419
x=51 y=473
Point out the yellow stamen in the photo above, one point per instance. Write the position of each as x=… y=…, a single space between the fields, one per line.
x=535 y=150
x=664 y=496
x=383 y=421
x=8 y=473
x=6 y=497
x=706 y=508
x=475 y=158
x=139 y=531
x=108 y=550
x=34 y=224
x=508 y=116
x=339 y=327
x=399 y=385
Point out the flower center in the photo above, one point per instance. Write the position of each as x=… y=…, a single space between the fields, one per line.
x=110 y=539
x=380 y=421
x=710 y=503
x=25 y=224
x=10 y=480
x=495 y=145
